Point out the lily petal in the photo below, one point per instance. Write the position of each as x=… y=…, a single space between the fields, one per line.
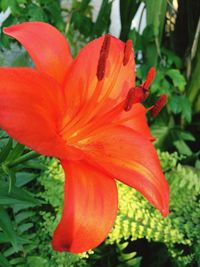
x=46 y=45
x=132 y=159
x=90 y=208
x=137 y=121
x=31 y=110
x=92 y=96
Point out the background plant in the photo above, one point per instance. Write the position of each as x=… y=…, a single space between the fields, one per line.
x=30 y=205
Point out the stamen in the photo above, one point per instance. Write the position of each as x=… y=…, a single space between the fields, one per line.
x=160 y=103
x=150 y=77
x=135 y=95
x=127 y=52
x=146 y=94
x=102 y=58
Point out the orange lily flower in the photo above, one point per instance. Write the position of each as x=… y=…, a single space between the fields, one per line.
x=84 y=112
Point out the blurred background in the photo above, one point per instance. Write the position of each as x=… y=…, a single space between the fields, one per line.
x=166 y=35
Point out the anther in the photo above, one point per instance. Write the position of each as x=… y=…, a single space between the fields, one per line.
x=160 y=103
x=150 y=77
x=135 y=95
x=101 y=67
x=127 y=52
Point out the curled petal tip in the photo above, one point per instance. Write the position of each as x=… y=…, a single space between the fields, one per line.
x=6 y=30
x=9 y=29
x=165 y=212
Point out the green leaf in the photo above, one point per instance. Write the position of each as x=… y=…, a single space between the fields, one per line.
x=128 y=10
x=182 y=147
x=6 y=150
x=4 y=238
x=16 y=196
x=103 y=19
x=23 y=216
x=16 y=152
x=23 y=178
x=84 y=5
x=82 y=23
x=36 y=12
x=3 y=261
x=181 y=104
x=177 y=79
x=7 y=227
x=37 y=261
x=193 y=91
x=24 y=227
x=156 y=11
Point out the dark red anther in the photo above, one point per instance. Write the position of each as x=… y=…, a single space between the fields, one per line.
x=150 y=77
x=135 y=95
x=101 y=67
x=146 y=94
x=160 y=103
x=127 y=52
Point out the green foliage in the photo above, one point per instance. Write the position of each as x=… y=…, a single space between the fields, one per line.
x=127 y=12
x=30 y=210
x=38 y=10
x=136 y=217
x=16 y=204
x=81 y=27
x=25 y=228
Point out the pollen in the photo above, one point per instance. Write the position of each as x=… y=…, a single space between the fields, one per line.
x=160 y=103
x=101 y=67
x=127 y=52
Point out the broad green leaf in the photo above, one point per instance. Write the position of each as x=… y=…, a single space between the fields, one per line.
x=103 y=19
x=35 y=12
x=177 y=79
x=23 y=178
x=193 y=91
x=156 y=11
x=181 y=104
x=128 y=10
